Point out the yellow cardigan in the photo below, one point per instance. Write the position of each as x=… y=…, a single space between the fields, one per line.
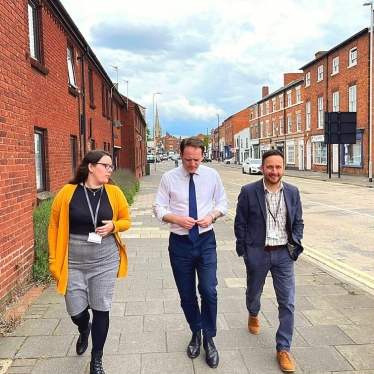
x=58 y=231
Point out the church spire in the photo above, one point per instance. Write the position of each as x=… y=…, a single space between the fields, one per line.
x=158 y=129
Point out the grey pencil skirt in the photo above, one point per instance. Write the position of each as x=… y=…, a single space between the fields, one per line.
x=92 y=274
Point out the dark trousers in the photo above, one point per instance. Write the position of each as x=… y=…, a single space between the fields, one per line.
x=188 y=260
x=281 y=267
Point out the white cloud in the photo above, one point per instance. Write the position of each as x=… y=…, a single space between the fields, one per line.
x=210 y=57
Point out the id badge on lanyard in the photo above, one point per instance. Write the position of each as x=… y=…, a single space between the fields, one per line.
x=92 y=236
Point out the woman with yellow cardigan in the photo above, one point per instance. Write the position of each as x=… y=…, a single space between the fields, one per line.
x=86 y=253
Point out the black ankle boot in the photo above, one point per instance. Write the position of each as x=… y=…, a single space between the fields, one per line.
x=96 y=365
x=82 y=342
x=193 y=349
x=211 y=357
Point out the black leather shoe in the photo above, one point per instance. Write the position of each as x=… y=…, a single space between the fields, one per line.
x=193 y=349
x=96 y=365
x=82 y=342
x=211 y=353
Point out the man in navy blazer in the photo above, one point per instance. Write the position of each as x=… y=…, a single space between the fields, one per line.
x=268 y=229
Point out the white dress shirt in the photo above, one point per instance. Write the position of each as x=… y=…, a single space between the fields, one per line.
x=173 y=195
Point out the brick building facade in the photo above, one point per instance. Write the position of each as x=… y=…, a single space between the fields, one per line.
x=338 y=81
x=56 y=103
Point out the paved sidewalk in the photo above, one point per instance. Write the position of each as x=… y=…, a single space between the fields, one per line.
x=334 y=330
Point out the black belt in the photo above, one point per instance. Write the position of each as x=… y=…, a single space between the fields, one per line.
x=205 y=233
x=272 y=248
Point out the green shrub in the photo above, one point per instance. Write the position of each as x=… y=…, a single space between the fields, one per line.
x=127 y=182
x=123 y=178
x=41 y=221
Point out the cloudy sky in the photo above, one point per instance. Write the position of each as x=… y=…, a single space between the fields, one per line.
x=209 y=57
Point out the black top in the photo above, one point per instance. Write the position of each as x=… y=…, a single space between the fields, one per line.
x=80 y=220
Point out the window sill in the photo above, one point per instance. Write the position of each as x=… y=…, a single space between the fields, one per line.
x=351 y=65
x=39 y=66
x=92 y=106
x=337 y=72
x=73 y=91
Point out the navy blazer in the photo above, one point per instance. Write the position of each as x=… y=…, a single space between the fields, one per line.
x=250 y=222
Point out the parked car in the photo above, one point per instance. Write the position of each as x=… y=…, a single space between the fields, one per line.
x=150 y=159
x=230 y=160
x=165 y=156
x=206 y=159
x=252 y=166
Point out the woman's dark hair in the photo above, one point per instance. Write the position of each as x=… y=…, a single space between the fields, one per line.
x=192 y=141
x=92 y=157
x=271 y=152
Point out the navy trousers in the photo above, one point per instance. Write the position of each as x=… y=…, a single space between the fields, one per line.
x=188 y=260
x=281 y=267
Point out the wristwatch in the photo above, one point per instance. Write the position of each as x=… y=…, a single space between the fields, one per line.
x=214 y=218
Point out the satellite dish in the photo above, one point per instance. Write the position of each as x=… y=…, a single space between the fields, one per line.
x=117 y=124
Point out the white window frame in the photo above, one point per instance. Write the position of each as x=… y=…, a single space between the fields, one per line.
x=298 y=95
x=298 y=122
x=320 y=113
x=353 y=56
x=319 y=153
x=289 y=98
x=33 y=30
x=289 y=124
x=267 y=107
x=70 y=62
x=307 y=79
x=352 y=98
x=274 y=104
x=335 y=65
x=320 y=73
x=281 y=126
x=307 y=116
x=335 y=101
x=290 y=152
x=261 y=110
x=261 y=129
x=274 y=127
x=281 y=102
x=267 y=128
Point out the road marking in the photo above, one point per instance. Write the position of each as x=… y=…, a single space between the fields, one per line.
x=337 y=208
x=341 y=267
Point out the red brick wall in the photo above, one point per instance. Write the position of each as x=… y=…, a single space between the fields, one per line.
x=17 y=184
x=356 y=75
x=37 y=96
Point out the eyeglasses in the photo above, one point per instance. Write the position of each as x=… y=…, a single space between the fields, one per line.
x=106 y=166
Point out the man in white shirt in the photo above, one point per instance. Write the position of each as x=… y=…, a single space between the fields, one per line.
x=191 y=198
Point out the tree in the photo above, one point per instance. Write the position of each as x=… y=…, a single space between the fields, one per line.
x=148 y=134
x=206 y=143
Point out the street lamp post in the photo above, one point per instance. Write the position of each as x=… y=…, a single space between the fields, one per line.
x=371 y=93
x=218 y=135
x=154 y=134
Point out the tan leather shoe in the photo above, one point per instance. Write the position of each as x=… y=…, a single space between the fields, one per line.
x=285 y=362
x=253 y=325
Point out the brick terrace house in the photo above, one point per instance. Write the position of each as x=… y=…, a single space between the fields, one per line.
x=338 y=80
x=133 y=153
x=231 y=126
x=56 y=103
x=276 y=122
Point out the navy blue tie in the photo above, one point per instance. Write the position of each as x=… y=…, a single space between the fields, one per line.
x=194 y=232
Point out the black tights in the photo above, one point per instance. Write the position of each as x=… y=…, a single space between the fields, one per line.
x=100 y=326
